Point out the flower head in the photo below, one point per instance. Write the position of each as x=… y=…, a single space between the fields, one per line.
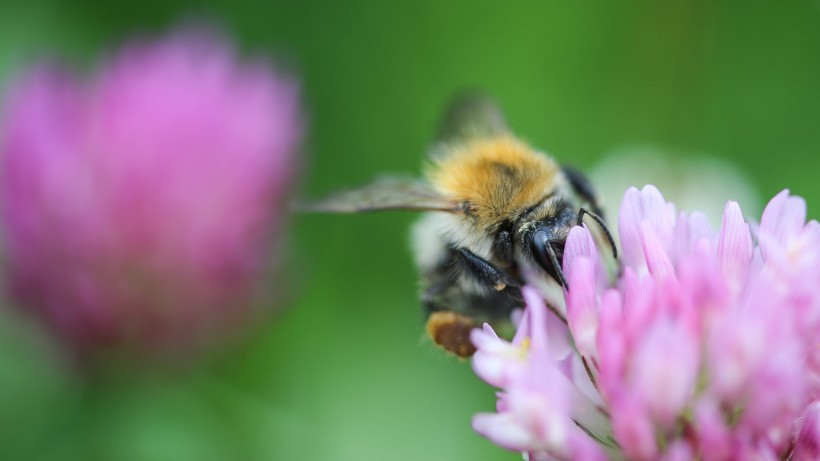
x=140 y=206
x=704 y=348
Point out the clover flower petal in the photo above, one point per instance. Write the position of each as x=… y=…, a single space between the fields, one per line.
x=705 y=347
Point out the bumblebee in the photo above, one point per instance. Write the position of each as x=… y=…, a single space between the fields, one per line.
x=496 y=215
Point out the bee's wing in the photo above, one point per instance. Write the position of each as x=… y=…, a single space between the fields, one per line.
x=471 y=115
x=391 y=193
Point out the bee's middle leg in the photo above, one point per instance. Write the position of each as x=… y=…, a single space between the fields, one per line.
x=453 y=308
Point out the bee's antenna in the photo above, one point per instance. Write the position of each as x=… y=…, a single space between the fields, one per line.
x=557 y=266
x=603 y=225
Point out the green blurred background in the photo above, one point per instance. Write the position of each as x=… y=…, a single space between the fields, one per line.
x=344 y=372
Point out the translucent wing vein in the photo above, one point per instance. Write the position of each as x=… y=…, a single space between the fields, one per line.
x=384 y=194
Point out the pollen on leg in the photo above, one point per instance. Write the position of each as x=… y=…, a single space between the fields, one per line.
x=451 y=331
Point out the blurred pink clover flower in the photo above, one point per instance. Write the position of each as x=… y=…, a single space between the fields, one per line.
x=140 y=208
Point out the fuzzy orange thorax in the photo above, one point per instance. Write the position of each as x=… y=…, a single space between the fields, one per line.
x=498 y=177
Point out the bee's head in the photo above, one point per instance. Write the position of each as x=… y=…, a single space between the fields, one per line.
x=545 y=240
x=545 y=237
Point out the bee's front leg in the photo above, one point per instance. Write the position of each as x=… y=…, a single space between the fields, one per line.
x=482 y=271
x=583 y=187
x=492 y=293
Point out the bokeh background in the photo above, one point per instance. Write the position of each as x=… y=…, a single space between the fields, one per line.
x=343 y=372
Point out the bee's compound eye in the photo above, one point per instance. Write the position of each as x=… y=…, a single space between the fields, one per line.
x=540 y=247
x=547 y=256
